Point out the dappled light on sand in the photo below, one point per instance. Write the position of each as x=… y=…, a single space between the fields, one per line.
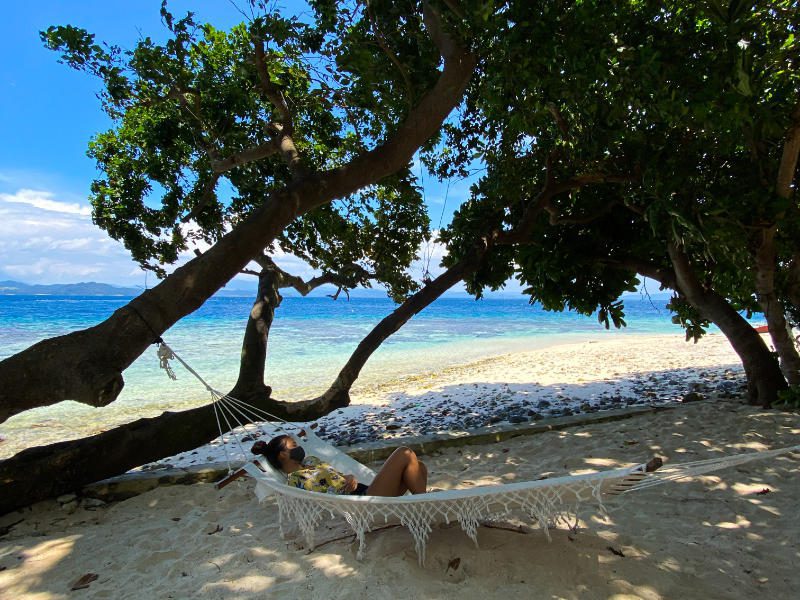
x=711 y=536
x=35 y=563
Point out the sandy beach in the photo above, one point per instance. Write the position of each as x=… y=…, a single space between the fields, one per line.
x=731 y=534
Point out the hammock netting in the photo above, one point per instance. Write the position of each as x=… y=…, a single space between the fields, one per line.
x=546 y=502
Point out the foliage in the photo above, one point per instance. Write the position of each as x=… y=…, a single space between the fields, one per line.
x=789 y=398
x=198 y=121
x=669 y=120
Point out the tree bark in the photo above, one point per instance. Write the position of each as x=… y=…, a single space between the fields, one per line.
x=47 y=471
x=793 y=286
x=764 y=377
x=87 y=365
x=772 y=307
x=339 y=392
x=250 y=384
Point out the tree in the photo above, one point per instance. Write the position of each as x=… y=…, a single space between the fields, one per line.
x=690 y=108
x=198 y=108
x=194 y=109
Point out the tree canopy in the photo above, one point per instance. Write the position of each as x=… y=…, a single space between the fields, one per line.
x=614 y=131
x=209 y=123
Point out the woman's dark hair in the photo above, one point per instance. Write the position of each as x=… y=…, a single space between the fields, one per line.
x=271 y=449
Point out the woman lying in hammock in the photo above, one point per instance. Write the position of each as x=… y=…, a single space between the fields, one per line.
x=401 y=472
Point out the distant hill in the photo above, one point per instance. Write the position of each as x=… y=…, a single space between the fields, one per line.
x=87 y=288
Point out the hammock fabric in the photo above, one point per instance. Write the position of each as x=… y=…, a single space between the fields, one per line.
x=547 y=502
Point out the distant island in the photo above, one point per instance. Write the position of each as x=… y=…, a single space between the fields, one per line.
x=94 y=288
x=86 y=288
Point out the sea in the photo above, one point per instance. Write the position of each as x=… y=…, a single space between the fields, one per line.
x=310 y=340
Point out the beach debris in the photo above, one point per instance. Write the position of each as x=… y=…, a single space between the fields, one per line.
x=83 y=581
x=692 y=397
x=615 y=551
x=176 y=519
x=5 y=529
x=71 y=507
x=763 y=491
x=216 y=529
x=453 y=564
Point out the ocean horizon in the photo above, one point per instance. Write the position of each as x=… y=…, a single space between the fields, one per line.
x=311 y=339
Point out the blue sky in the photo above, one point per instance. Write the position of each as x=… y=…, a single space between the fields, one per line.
x=49 y=113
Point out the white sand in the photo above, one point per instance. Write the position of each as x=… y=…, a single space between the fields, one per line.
x=710 y=537
x=655 y=369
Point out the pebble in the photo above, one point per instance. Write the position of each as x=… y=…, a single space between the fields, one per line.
x=489 y=405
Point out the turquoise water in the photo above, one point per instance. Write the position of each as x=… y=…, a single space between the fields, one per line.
x=310 y=341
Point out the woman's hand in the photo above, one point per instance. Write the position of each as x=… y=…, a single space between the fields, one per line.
x=350 y=483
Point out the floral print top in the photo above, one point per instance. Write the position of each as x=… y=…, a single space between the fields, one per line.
x=317 y=476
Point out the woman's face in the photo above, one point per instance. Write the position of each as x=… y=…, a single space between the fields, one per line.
x=288 y=444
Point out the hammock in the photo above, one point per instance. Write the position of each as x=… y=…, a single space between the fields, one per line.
x=547 y=502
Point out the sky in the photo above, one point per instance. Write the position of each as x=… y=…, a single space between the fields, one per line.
x=49 y=113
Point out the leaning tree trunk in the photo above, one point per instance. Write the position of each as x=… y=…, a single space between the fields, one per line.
x=764 y=377
x=250 y=384
x=47 y=471
x=339 y=392
x=773 y=309
x=87 y=365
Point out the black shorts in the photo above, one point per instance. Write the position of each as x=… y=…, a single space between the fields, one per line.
x=361 y=490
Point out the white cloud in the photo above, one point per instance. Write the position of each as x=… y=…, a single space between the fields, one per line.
x=44 y=200
x=45 y=240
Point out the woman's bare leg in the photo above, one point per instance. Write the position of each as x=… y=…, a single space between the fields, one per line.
x=402 y=471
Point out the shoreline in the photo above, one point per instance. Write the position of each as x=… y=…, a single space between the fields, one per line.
x=520 y=388
x=71 y=420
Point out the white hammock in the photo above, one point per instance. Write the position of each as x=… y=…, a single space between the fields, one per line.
x=545 y=501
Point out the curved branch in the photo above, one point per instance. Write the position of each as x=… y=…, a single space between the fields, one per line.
x=791 y=150
x=87 y=365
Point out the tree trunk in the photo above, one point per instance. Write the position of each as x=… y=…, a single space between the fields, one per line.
x=764 y=377
x=339 y=392
x=793 y=287
x=87 y=365
x=47 y=471
x=250 y=385
x=773 y=309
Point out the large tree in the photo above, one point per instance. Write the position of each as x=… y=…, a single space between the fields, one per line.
x=292 y=117
x=247 y=106
x=692 y=109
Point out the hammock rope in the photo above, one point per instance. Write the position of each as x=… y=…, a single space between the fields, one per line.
x=547 y=502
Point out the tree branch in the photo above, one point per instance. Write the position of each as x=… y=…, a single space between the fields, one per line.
x=543 y=201
x=420 y=124
x=208 y=196
x=348 y=277
x=555 y=219
x=563 y=126
x=221 y=165
x=391 y=56
x=273 y=93
x=791 y=150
